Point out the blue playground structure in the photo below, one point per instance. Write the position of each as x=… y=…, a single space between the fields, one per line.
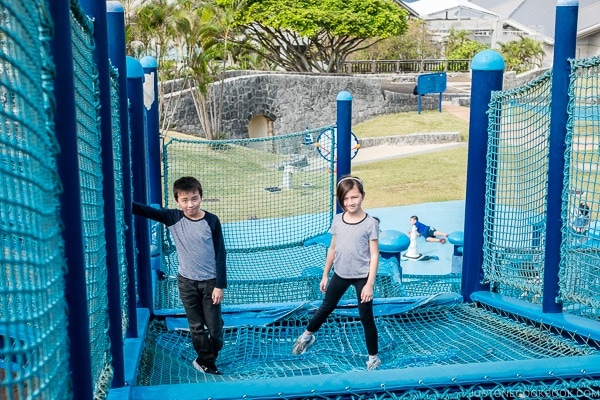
x=89 y=305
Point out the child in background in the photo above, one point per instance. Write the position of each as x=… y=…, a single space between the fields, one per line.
x=580 y=218
x=430 y=234
x=202 y=274
x=354 y=256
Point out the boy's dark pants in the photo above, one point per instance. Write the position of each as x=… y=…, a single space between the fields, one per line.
x=204 y=317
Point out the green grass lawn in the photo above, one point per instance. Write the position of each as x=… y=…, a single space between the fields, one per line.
x=423 y=178
x=411 y=122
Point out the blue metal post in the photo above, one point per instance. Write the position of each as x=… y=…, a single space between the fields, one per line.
x=565 y=35
x=487 y=73
x=115 y=19
x=70 y=200
x=97 y=10
x=344 y=135
x=153 y=127
x=139 y=168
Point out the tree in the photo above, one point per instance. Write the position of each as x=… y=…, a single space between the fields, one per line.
x=313 y=35
x=415 y=43
x=460 y=46
x=522 y=55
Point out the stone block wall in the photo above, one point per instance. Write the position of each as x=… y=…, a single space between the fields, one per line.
x=292 y=101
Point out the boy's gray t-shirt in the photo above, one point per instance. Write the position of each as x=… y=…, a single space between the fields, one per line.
x=352 y=251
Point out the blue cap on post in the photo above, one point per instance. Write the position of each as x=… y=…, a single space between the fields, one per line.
x=134 y=68
x=114 y=6
x=488 y=60
x=149 y=62
x=344 y=96
x=560 y=3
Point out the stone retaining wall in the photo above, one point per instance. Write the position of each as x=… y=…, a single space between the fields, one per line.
x=413 y=139
x=292 y=101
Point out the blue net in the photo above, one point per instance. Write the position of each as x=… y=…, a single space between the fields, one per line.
x=580 y=249
x=33 y=314
x=516 y=189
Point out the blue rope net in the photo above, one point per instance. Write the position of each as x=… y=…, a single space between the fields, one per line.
x=120 y=202
x=90 y=178
x=516 y=189
x=272 y=195
x=413 y=333
x=33 y=315
x=580 y=257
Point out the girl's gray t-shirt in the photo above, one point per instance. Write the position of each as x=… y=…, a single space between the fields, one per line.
x=352 y=251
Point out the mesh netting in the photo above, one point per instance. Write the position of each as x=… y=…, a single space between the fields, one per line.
x=271 y=195
x=413 y=333
x=119 y=200
x=517 y=165
x=90 y=177
x=580 y=249
x=33 y=316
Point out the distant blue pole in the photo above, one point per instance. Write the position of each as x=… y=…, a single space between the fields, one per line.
x=115 y=19
x=70 y=200
x=344 y=135
x=97 y=10
x=139 y=168
x=487 y=73
x=153 y=127
x=565 y=35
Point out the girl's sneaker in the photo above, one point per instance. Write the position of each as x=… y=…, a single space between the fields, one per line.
x=303 y=343
x=373 y=362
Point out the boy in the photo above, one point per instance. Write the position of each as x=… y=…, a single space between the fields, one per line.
x=202 y=274
x=430 y=234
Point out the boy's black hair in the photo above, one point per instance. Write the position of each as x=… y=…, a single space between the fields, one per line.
x=186 y=184
x=584 y=209
x=414 y=217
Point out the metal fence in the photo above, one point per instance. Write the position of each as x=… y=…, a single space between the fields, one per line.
x=405 y=66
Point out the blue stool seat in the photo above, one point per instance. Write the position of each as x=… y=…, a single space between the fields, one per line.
x=393 y=241
x=457 y=238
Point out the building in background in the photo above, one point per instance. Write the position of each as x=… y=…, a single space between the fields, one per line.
x=500 y=21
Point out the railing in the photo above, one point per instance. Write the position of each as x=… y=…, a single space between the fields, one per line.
x=405 y=66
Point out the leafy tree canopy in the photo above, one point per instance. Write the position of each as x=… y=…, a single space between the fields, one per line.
x=315 y=35
x=522 y=55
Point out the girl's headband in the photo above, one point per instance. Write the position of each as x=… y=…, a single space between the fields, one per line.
x=350 y=177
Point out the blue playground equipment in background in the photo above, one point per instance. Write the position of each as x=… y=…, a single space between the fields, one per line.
x=88 y=299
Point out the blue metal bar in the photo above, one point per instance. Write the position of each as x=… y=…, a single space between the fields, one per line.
x=97 y=10
x=65 y=120
x=139 y=168
x=150 y=67
x=344 y=135
x=115 y=19
x=564 y=48
x=488 y=70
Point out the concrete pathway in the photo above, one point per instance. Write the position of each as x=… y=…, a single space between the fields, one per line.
x=386 y=152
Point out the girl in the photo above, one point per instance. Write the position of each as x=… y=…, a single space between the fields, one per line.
x=354 y=251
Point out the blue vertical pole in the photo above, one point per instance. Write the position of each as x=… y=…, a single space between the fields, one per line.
x=487 y=73
x=150 y=67
x=97 y=10
x=115 y=19
x=70 y=211
x=344 y=135
x=139 y=168
x=565 y=35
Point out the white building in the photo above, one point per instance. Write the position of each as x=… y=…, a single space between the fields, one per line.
x=499 y=21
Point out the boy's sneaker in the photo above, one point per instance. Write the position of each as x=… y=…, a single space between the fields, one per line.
x=303 y=343
x=442 y=241
x=373 y=363
x=206 y=367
